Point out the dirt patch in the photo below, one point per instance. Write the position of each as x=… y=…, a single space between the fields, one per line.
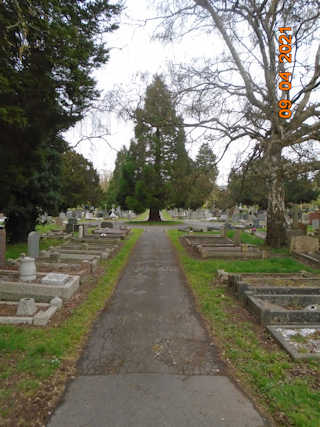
x=11 y=310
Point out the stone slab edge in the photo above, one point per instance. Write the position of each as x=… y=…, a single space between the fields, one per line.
x=39 y=319
x=287 y=346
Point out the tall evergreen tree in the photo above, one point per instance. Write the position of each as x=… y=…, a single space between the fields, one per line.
x=48 y=50
x=157 y=161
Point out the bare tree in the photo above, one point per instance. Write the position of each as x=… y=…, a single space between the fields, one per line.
x=261 y=87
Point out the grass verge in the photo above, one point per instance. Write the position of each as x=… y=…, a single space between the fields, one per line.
x=35 y=362
x=288 y=390
x=14 y=250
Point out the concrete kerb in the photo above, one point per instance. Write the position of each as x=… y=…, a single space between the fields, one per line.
x=41 y=318
x=15 y=290
x=287 y=346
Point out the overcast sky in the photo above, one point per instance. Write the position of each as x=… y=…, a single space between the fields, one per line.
x=133 y=52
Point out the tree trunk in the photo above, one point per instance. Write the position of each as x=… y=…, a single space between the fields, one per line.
x=276 y=222
x=154 y=215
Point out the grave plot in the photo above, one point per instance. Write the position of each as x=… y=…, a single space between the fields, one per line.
x=82 y=269
x=220 y=247
x=285 y=309
x=92 y=245
x=54 y=257
x=301 y=342
x=231 y=252
x=306 y=249
x=253 y=282
x=100 y=253
x=57 y=234
x=310 y=259
x=109 y=233
x=41 y=286
x=282 y=302
x=27 y=311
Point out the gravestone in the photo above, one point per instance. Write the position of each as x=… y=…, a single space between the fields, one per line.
x=81 y=231
x=26 y=307
x=33 y=244
x=316 y=223
x=72 y=225
x=237 y=237
x=304 y=244
x=2 y=241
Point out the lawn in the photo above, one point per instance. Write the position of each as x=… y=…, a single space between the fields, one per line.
x=288 y=390
x=35 y=362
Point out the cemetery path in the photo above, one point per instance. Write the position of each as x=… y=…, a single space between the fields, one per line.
x=149 y=360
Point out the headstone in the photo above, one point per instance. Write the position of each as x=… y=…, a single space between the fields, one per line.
x=33 y=244
x=2 y=247
x=81 y=231
x=72 y=225
x=26 y=307
x=316 y=223
x=237 y=237
x=27 y=269
x=57 y=302
x=2 y=240
x=304 y=244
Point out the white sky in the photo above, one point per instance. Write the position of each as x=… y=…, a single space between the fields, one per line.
x=133 y=52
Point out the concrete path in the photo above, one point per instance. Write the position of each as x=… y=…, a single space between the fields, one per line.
x=149 y=360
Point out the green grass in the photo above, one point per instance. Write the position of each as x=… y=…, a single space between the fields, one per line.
x=38 y=353
x=45 y=228
x=165 y=215
x=271 y=375
x=16 y=249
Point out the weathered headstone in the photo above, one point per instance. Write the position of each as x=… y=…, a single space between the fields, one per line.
x=81 y=231
x=71 y=226
x=2 y=247
x=2 y=240
x=315 y=223
x=33 y=244
x=237 y=237
x=304 y=244
x=26 y=307
x=27 y=269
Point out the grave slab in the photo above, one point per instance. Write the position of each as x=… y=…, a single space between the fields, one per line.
x=300 y=341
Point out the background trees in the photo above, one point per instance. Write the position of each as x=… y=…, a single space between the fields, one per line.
x=248 y=186
x=235 y=94
x=79 y=181
x=48 y=50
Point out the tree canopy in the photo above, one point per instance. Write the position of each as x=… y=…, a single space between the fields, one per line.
x=48 y=50
x=235 y=95
x=79 y=181
x=156 y=172
x=247 y=185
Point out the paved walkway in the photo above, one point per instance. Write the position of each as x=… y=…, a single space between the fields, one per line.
x=149 y=360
